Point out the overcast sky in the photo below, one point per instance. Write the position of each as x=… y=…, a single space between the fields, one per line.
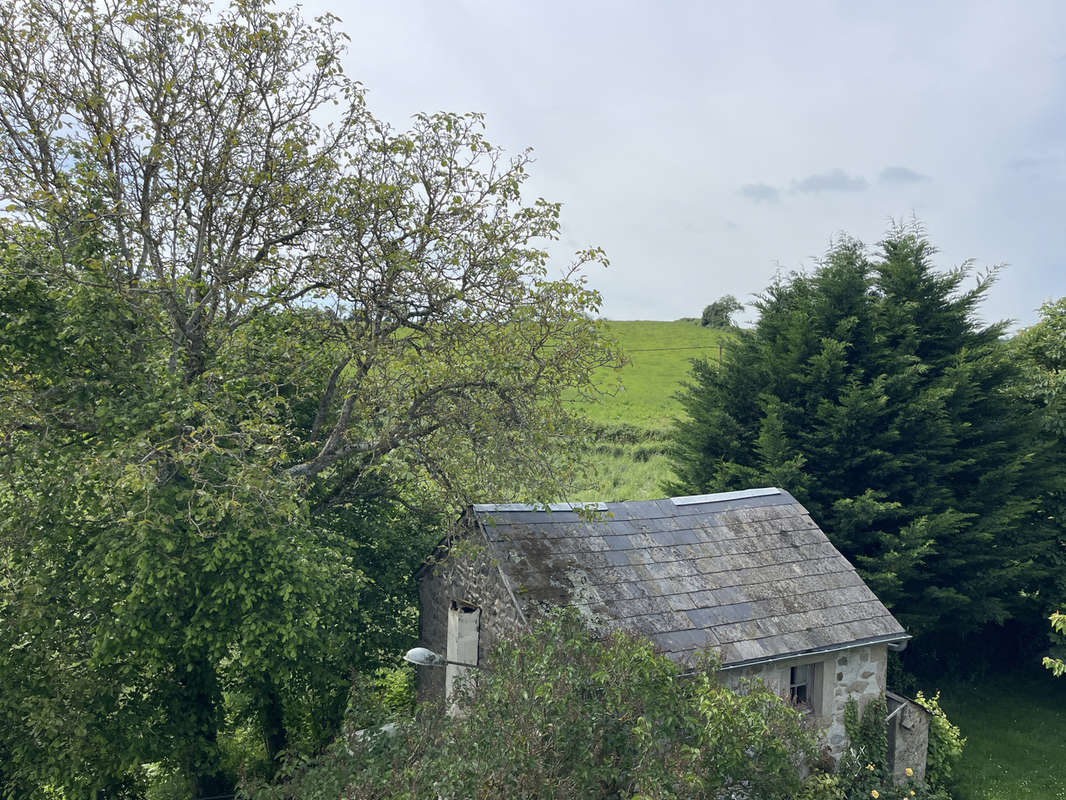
x=706 y=146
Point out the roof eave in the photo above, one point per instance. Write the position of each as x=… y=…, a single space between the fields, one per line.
x=817 y=651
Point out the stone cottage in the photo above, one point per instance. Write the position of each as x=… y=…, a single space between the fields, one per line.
x=746 y=574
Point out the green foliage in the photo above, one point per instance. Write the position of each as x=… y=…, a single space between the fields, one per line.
x=821 y=786
x=945 y=743
x=1056 y=665
x=869 y=390
x=560 y=715
x=863 y=771
x=247 y=362
x=863 y=767
x=719 y=313
x=1041 y=350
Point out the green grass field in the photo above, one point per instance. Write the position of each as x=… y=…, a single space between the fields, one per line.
x=659 y=357
x=1016 y=730
x=632 y=418
x=1016 y=724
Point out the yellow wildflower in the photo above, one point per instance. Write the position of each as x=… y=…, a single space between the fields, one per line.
x=909 y=773
x=874 y=794
x=870 y=767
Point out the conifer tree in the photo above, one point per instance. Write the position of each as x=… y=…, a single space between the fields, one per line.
x=870 y=390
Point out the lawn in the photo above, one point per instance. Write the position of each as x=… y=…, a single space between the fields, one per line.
x=1016 y=731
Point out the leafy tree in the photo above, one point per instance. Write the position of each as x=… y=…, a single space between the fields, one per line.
x=1042 y=348
x=1041 y=352
x=1057 y=665
x=871 y=392
x=559 y=714
x=719 y=313
x=248 y=356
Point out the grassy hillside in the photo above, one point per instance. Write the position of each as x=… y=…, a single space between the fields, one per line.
x=659 y=355
x=631 y=420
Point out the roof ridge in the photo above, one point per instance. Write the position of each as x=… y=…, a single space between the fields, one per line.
x=719 y=497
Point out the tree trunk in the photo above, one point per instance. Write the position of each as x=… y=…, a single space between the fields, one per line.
x=273 y=721
x=198 y=704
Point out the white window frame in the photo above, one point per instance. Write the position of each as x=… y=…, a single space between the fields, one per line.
x=464 y=638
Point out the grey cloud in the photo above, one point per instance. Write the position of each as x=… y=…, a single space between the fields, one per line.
x=835 y=180
x=1026 y=163
x=901 y=175
x=760 y=192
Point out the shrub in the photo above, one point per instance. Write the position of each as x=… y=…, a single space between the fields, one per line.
x=719 y=314
x=822 y=786
x=562 y=714
x=945 y=743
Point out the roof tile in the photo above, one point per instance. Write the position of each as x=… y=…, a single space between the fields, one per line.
x=752 y=578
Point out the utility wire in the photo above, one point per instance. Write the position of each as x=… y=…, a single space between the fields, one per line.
x=662 y=349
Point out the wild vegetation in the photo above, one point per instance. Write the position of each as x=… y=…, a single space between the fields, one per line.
x=561 y=715
x=1009 y=715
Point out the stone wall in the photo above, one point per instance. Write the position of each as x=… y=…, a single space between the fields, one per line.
x=859 y=672
x=468 y=574
x=908 y=737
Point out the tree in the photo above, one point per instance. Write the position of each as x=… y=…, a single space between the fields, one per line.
x=562 y=714
x=1041 y=353
x=1057 y=665
x=870 y=391
x=719 y=313
x=250 y=335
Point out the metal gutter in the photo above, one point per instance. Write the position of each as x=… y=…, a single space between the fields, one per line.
x=754 y=662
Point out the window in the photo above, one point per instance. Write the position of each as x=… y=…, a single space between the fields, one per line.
x=464 y=622
x=801 y=685
x=805 y=687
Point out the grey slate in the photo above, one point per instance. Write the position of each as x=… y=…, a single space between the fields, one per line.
x=749 y=575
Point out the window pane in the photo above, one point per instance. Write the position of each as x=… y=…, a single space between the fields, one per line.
x=798 y=684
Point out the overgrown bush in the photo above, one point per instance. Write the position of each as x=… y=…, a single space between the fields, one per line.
x=562 y=714
x=864 y=774
x=822 y=786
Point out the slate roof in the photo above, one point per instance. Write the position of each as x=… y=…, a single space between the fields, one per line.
x=748 y=574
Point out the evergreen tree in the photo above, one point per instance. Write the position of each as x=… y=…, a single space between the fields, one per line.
x=871 y=391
